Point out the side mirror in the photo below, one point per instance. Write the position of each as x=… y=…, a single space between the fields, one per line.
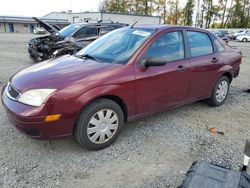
x=154 y=61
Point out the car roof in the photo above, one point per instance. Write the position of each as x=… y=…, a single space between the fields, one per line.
x=163 y=27
x=97 y=23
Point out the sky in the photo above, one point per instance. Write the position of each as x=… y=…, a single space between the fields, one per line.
x=40 y=8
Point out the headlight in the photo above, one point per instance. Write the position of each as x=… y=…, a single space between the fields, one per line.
x=35 y=97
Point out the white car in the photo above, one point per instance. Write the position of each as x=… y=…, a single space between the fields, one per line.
x=242 y=32
x=243 y=38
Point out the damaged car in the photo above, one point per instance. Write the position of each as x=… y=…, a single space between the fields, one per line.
x=68 y=40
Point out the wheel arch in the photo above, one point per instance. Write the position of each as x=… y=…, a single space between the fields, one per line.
x=228 y=75
x=111 y=92
x=226 y=71
x=117 y=100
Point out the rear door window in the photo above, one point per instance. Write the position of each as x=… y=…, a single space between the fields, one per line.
x=200 y=43
x=86 y=31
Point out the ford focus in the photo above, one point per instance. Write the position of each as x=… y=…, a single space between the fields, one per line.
x=126 y=74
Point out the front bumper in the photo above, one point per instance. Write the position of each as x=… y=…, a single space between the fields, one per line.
x=30 y=120
x=236 y=73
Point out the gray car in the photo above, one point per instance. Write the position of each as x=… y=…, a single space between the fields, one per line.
x=68 y=40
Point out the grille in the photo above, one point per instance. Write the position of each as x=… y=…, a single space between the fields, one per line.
x=12 y=92
x=31 y=132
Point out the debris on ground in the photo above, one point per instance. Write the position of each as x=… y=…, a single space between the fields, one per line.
x=214 y=130
x=247 y=90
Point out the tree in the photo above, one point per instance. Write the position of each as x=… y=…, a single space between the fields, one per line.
x=229 y=13
x=108 y=6
x=203 y=8
x=118 y=6
x=224 y=5
x=237 y=15
x=197 y=17
x=175 y=13
x=221 y=13
x=245 y=14
x=188 y=12
x=161 y=9
x=208 y=12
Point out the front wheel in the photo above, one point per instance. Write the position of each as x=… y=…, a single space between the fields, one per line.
x=220 y=92
x=99 y=124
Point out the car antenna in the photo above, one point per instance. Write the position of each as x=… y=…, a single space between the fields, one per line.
x=136 y=22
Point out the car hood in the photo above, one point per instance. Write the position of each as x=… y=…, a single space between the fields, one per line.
x=46 y=26
x=58 y=73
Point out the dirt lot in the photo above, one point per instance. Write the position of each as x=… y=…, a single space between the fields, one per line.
x=152 y=152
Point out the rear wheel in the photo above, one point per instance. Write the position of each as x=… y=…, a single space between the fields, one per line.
x=220 y=92
x=244 y=40
x=99 y=124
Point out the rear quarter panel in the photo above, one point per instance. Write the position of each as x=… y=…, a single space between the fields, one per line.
x=232 y=60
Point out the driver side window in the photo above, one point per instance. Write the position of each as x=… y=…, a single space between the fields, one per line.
x=168 y=46
x=87 y=31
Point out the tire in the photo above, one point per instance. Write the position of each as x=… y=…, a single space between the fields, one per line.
x=99 y=124
x=220 y=92
x=244 y=40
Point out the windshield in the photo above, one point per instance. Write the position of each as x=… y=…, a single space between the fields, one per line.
x=67 y=31
x=117 y=46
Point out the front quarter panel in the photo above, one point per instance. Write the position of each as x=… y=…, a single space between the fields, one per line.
x=125 y=92
x=118 y=82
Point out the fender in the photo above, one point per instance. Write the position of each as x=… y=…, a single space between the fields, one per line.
x=126 y=95
x=228 y=69
x=225 y=69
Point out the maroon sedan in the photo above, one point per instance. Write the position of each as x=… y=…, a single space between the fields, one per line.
x=127 y=74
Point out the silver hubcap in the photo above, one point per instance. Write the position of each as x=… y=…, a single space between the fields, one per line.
x=102 y=126
x=221 y=91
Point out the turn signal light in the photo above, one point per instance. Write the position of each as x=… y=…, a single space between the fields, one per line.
x=52 y=117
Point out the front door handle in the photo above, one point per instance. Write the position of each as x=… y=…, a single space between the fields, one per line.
x=180 y=68
x=214 y=60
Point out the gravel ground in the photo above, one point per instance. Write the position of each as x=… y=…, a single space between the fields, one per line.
x=152 y=152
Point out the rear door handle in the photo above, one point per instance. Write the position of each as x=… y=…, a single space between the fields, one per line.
x=214 y=60
x=180 y=68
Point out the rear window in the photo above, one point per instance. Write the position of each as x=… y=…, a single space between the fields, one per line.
x=200 y=43
x=219 y=46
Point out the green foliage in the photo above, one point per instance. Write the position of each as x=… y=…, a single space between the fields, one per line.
x=141 y=7
x=209 y=13
x=215 y=25
x=240 y=14
x=174 y=16
x=188 y=12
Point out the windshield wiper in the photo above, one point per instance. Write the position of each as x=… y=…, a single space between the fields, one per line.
x=87 y=56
